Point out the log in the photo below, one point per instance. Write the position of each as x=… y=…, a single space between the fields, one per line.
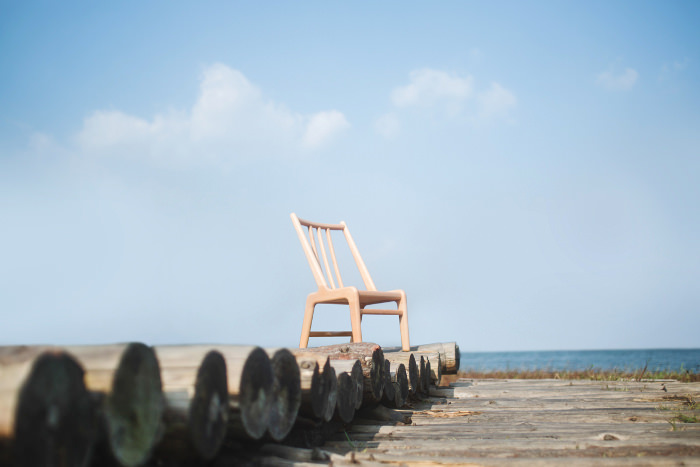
x=313 y=396
x=47 y=416
x=371 y=359
x=449 y=354
x=404 y=357
x=250 y=381
x=408 y=359
x=196 y=407
x=127 y=379
x=286 y=394
x=350 y=384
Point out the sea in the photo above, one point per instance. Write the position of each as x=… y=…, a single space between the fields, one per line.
x=680 y=360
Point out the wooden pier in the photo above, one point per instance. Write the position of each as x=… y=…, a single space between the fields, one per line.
x=536 y=422
x=349 y=404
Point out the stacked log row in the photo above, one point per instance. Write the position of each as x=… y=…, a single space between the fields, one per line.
x=51 y=400
x=195 y=384
x=47 y=416
x=371 y=359
x=449 y=354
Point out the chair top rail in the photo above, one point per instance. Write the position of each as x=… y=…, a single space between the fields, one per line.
x=318 y=225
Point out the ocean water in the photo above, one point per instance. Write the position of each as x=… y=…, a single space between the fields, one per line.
x=573 y=360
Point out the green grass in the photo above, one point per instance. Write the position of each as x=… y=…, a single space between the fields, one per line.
x=594 y=374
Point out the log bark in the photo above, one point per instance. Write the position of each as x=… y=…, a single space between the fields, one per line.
x=372 y=360
x=197 y=408
x=286 y=394
x=47 y=415
x=249 y=377
x=449 y=354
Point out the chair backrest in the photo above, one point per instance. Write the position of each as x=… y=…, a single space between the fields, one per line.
x=318 y=247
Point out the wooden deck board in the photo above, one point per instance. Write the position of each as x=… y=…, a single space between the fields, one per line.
x=536 y=422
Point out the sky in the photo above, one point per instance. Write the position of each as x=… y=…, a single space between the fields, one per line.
x=528 y=172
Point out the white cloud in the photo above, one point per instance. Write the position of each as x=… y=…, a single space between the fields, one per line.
x=617 y=82
x=438 y=94
x=496 y=101
x=231 y=118
x=388 y=125
x=322 y=127
x=428 y=87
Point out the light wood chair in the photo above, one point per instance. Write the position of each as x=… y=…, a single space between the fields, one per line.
x=312 y=241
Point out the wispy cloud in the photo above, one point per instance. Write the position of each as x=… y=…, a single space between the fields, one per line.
x=617 y=81
x=322 y=128
x=670 y=70
x=496 y=101
x=448 y=95
x=231 y=118
x=429 y=87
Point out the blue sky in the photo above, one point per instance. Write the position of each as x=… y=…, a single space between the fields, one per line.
x=527 y=172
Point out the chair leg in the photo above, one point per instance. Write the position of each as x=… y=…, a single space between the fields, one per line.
x=306 y=325
x=403 y=324
x=355 y=318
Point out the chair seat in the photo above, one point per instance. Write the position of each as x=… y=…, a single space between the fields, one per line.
x=367 y=297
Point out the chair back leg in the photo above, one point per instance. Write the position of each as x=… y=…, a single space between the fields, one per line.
x=306 y=325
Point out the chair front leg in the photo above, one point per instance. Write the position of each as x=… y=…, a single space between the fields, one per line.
x=403 y=323
x=355 y=317
x=306 y=325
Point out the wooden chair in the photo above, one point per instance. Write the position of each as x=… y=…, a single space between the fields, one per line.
x=312 y=241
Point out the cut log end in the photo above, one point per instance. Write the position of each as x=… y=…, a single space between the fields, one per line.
x=318 y=394
x=345 y=404
x=376 y=379
x=208 y=411
x=389 y=394
x=400 y=386
x=55 y=417
x=358 y=380
x=255 y=391
x=286 y=394
x=134 y=407
x=413 y=375
x=330 y=383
